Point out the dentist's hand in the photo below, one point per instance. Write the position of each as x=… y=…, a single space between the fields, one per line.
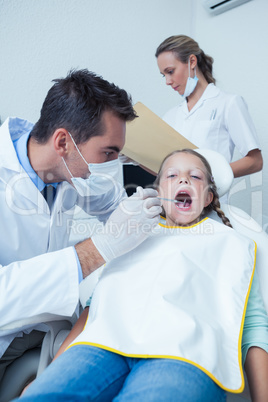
x=129 y=225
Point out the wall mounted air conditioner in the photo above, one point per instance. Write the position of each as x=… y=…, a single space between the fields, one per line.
x=219 y=6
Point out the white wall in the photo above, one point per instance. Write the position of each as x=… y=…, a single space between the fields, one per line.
x=237 y=40
x=44 y=39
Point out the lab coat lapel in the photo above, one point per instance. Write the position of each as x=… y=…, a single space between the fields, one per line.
x=20 y=184
x=62 y=215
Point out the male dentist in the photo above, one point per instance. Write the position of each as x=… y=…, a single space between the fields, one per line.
x=73 y=147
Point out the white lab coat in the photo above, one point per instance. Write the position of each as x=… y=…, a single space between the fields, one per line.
x=48 y=283
x=219 y=121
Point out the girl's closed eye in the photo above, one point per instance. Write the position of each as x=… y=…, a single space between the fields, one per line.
x=171 y=174
x=197 y=175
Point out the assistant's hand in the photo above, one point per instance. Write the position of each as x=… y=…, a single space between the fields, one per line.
x=129 y=225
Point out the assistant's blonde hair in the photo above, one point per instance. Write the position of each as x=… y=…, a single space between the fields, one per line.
x=215 y=203
x=182 y=47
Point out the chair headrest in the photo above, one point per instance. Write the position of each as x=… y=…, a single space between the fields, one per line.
x=221 y=170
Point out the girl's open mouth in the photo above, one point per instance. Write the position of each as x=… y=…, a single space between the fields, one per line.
x=183 y=200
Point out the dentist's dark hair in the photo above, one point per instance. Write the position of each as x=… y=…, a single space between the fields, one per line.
x=77 y=103
x=215 y=203
x=182 y=47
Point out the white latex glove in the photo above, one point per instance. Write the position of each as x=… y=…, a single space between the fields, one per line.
x=130 y=224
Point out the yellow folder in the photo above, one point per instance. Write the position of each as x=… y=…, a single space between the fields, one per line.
x=149 y=139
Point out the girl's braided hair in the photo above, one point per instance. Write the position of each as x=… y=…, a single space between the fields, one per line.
x=215 y=203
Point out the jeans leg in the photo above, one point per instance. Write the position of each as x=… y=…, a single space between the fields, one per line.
x=82 y=373
x=162 y=380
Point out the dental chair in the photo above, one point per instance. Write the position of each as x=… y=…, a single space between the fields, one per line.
x=32 y=363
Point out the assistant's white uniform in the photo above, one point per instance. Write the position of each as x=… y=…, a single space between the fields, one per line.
x=181 y=294
x=48 y=283
x=219 y=121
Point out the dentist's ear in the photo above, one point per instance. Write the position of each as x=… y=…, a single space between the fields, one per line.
x=62 y=141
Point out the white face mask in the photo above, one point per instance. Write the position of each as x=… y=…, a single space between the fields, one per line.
x=191 y=83
x=103 y=177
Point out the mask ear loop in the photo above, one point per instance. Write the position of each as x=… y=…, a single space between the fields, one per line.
x=66 y=166
x=189 y=68
x=78 y=150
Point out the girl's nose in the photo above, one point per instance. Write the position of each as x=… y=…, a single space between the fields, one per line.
x=183 y=180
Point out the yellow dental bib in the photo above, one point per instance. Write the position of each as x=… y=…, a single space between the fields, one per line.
x=181 y=294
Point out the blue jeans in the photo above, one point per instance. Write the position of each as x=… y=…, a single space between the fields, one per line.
x=87 y=373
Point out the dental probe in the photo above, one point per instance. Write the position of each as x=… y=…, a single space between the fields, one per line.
x=169 y=199
x=166 y=199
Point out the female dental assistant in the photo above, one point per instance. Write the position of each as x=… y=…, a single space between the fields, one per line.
x=208 y=117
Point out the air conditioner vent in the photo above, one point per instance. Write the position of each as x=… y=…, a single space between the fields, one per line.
x=219 y=6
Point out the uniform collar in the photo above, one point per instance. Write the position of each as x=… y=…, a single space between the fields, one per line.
x=211 y=91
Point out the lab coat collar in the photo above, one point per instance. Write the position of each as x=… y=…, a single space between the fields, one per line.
x=211 y=91
x=11 y=130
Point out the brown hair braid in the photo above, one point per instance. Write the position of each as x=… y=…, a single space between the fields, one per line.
x=216 y=206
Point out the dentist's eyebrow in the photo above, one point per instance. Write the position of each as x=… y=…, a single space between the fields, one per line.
x=112 y=148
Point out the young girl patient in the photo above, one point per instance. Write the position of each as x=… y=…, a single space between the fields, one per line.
x=166 y=320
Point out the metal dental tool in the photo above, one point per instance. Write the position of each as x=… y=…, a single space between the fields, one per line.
x=169 y=199
x=166 y=199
